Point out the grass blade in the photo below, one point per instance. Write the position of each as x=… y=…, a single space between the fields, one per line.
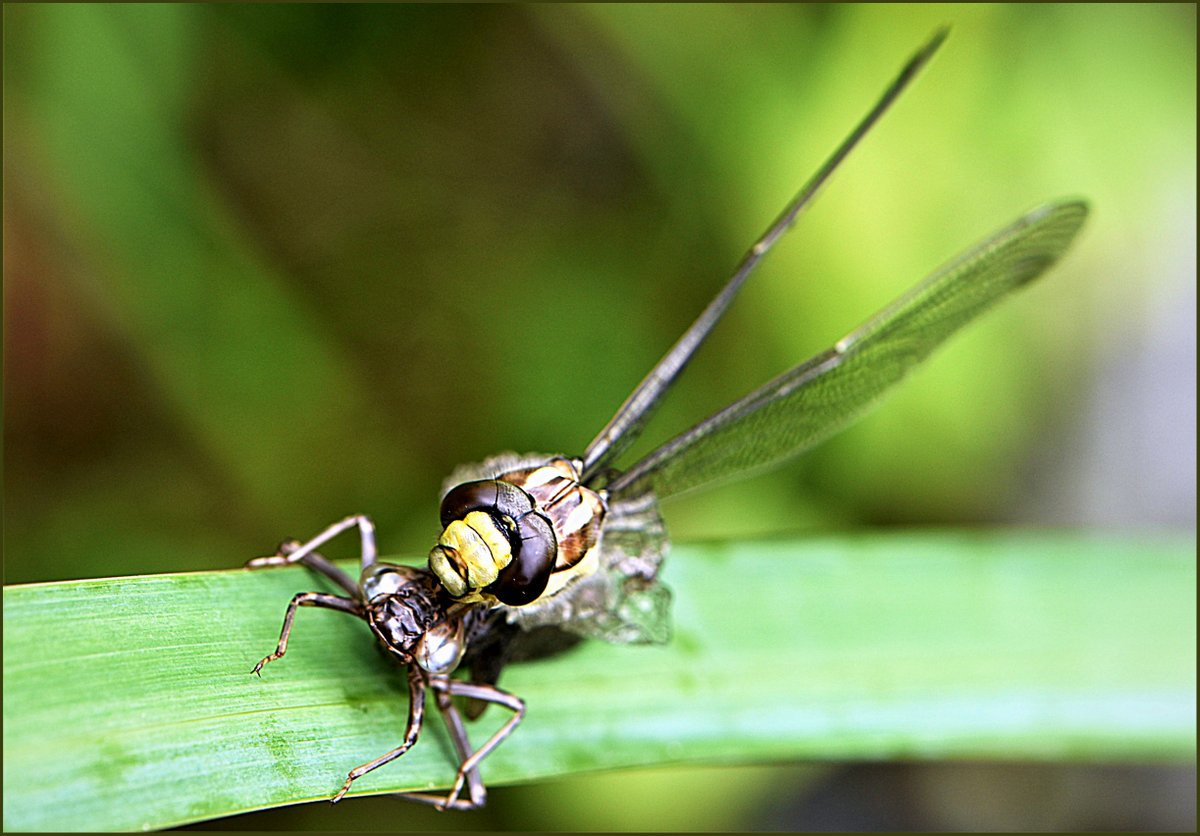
x=129 y=704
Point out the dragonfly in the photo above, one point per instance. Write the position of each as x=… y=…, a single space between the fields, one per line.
x=550 y=542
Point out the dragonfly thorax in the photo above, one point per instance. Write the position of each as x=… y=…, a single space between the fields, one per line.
x=514 y=539
x=407 y=612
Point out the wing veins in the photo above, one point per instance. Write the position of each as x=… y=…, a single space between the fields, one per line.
x=627 y=424
x=805 y=405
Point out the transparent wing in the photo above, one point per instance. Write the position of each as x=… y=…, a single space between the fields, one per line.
x=805 y=405
x=628 y=422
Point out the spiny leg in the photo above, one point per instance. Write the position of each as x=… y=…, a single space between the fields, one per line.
x=313 y=560
x=308 y=599
x=416 y=714
x=488 y=693
x=462 y=745
x=291 y=552
x=468 y=770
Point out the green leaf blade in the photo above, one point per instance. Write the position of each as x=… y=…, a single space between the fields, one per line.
x=129 y=702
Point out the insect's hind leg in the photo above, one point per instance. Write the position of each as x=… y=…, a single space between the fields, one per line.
x=308 y=599
x=292 y=552
x=462 y=745
x=468 y=770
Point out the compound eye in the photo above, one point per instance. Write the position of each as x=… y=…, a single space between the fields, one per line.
x=525 y=578
x=490 y=495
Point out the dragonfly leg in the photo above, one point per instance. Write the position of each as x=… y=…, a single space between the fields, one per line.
x=462 y=745
x=468 y=771
x=308 y=599
x=416 y=715
x=292 y=552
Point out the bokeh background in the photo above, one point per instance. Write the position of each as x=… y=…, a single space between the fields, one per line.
x=265 y=266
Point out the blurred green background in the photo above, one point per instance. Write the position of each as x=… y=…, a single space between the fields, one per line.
x=266 y=266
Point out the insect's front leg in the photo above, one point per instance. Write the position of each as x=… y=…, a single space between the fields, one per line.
x=308 y=599
x=416 y=715
x=293 y=552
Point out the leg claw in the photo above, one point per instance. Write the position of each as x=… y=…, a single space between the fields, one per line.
x=340 y=793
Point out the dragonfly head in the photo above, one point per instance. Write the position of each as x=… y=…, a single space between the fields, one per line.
x=495 y=547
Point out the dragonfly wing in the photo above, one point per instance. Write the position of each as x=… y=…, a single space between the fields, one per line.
x=805 y=405
x=627 y=424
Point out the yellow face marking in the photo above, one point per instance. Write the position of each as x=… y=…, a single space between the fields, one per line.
x=473 y=545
